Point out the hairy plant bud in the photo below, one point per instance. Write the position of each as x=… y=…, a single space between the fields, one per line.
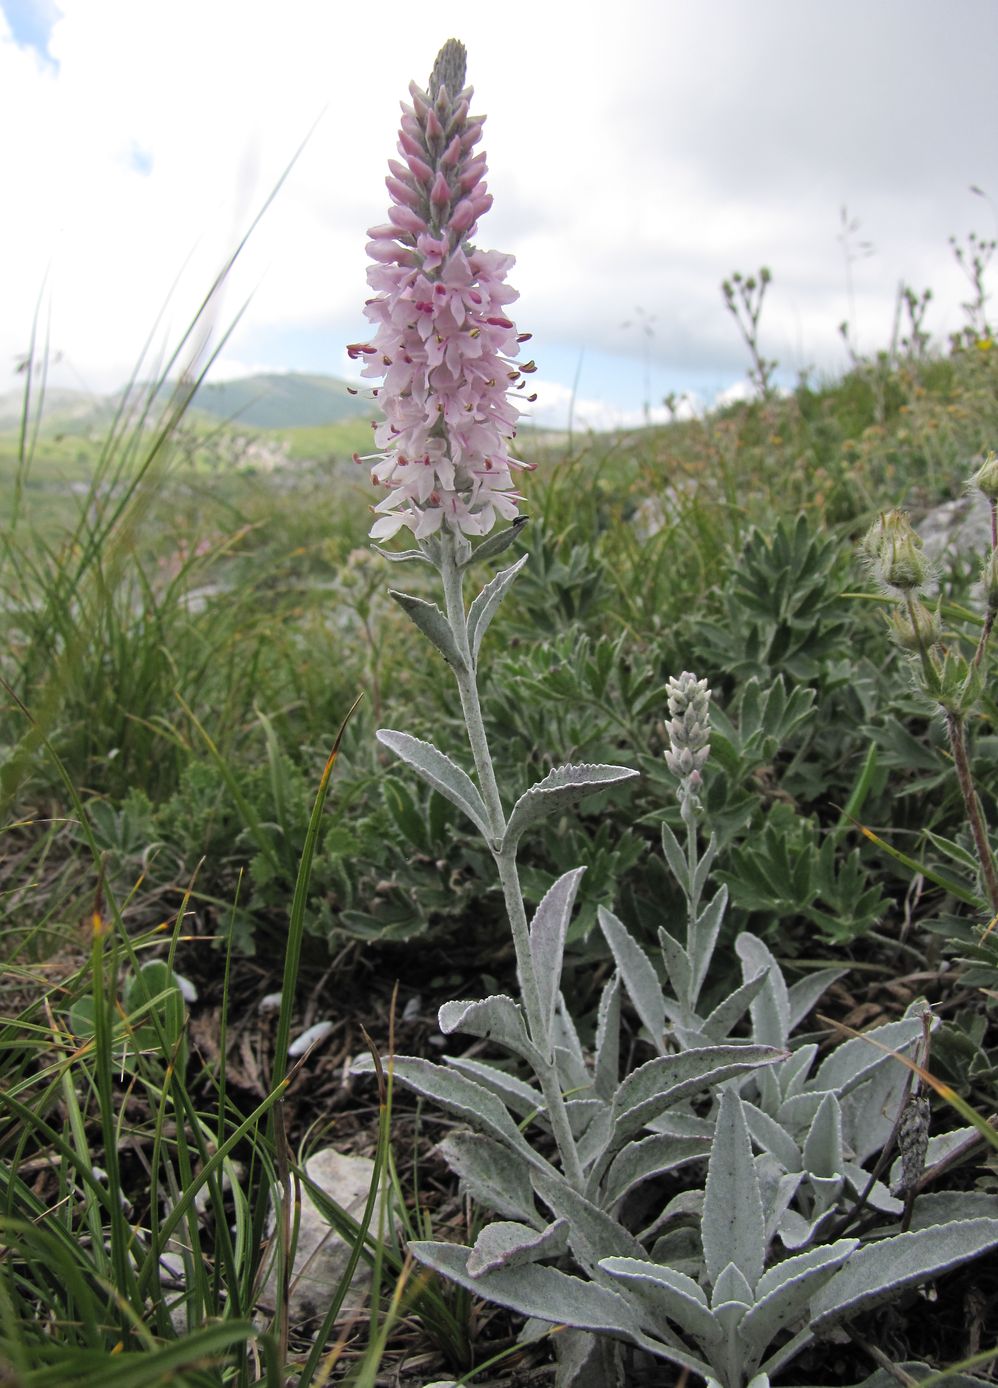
x=916 y=629
x=689 y=733
x=985 y=479
x=896 y=552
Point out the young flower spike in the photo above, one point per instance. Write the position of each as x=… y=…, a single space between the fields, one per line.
x=444 y=343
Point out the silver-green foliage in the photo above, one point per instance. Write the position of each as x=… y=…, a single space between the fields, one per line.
x=733 y=1276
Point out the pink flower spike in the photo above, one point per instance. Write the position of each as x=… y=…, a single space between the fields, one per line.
x=442 y=342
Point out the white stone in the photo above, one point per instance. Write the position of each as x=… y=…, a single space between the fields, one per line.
x=321 y=1255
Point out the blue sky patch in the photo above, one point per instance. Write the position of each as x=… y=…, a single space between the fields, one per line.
x=31 y=24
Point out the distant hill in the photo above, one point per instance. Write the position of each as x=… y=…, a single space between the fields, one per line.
x=65 y=411
x=282 y=401
x=275 y=400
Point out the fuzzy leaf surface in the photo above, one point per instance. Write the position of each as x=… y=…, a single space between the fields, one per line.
x=439 y=772
x=879 y=1271
x=733 y=1226
x=497 y=1018
x=637 y=971
x=670 y=1294
x=432 y=623
x=534 y=1290
x=457 y=1094
x=515 y=1093
x=548 y=930
x=783 y=1293
x=507 y=1244
x=664 y=1081
x=561 y=787
x=485 y=606
x=491 y=1174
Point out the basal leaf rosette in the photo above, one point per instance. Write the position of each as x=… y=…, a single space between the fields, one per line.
x=444 y=343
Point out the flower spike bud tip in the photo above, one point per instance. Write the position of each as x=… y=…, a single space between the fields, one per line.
x=689 y=734
x=443 y=337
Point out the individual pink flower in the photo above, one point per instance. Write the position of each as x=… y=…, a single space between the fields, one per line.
x=444 y=343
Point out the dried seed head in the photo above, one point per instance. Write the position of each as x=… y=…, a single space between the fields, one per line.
x=913 y=1142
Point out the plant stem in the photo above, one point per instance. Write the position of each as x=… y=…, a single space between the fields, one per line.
x=958 y=744
x=506 y=865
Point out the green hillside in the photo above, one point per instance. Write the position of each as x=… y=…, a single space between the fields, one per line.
x=280 y=400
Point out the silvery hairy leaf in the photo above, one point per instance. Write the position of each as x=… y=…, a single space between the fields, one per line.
x=794 y=1072
x=730 y=1010
x=733 y=1227
x=507 y=1244
x=433 y=624
x=704 y=938
x=485 y=606
x=438 y=771
x=548 y=930
x=783 y=1293
x=676 y=858
x=773 y=1138
x=561 y=787
x=587 y=1361
x=491 y=1175
x=854 y=1060
x=592 y=1234
x=398 y=556
x=822 y=1151
x=665 y=1294
x=638 y=973
x=516 y=1094
x=879 y=1271
x=703 y=867
x=497 y=1018
x=946 y=1206
x=535 y=1290
x=593 y=1137
x=496 y=543
x=457 y=1094
x=771 y=1008
x=658 y=1084
x=651 y=1156
x=807 y=991
x=678 y=967
x=606 y=1068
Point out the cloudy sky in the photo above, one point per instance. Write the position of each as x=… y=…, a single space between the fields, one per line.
x=640 y=151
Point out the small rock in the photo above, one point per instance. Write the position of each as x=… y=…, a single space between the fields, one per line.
x=321 y=1255
x=957 y=530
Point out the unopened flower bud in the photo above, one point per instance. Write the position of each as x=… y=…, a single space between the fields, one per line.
x=917 y=629
x=985 y=479
x=689 y=732
x=897 y=552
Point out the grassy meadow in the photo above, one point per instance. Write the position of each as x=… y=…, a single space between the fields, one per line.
x=191 y=611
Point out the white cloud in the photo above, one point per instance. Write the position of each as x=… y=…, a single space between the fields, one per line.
x=634 y=162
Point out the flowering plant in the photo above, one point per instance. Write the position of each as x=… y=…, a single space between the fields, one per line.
x=738 y=1272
